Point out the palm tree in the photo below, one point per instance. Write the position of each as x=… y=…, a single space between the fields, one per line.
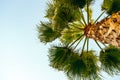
x=71 y=23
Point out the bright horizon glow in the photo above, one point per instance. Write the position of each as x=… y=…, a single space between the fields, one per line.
x=22 y=56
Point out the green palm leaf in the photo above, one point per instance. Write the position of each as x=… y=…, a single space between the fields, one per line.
x=75 y=3
x=46 y=33
x=74 y=31
x=59 y=57
x=76 y=69
x=63 y=15
x=106 y=4
x=50 y=10
x=90 y=13
x=90 y=61
x=110 y=60
x=111 y=6
x=66 y=13
x=83 y=67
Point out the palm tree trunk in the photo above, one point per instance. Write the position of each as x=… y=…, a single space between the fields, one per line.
x=106 y=31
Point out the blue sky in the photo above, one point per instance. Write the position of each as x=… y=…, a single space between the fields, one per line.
x=22 y=56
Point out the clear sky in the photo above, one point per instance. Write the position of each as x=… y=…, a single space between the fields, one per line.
x=22 y=56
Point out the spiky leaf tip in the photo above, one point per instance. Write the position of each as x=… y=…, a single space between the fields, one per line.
x=76 y=68
x=79 y=3
x=91 y=60
x=115 y=7
x=72 y=33
x=46 y=33
x=50 y=10
x=110 y=60
x=66 y=14
x=59 y=57
x=111 y=6
x=84 y=67
x=73 y=3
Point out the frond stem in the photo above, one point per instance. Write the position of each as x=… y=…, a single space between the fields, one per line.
x=87 y=44
x=70 y=32
x=83 y=17
x=76 y=40
x=78 y=27
x=98 y=45
x=87 y=12
x=99 y=16
x=83 y=46
x=82 y=23
x=78 y=43
x=104 y=44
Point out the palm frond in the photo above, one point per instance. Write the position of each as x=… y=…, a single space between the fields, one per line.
x=84 y=67
x=90 y=60
x=76 y=68
x=46 y=33
x=64 y=15
x=110 y=60
x=76 y=3
x=50 y=10
x=115 y=7
x=79 y=3
x=90 y=13
x=74 y=31
x=106 y=5
x=111 y=6
x=59 y=57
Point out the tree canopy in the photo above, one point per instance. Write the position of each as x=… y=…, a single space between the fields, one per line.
x=71 y=22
